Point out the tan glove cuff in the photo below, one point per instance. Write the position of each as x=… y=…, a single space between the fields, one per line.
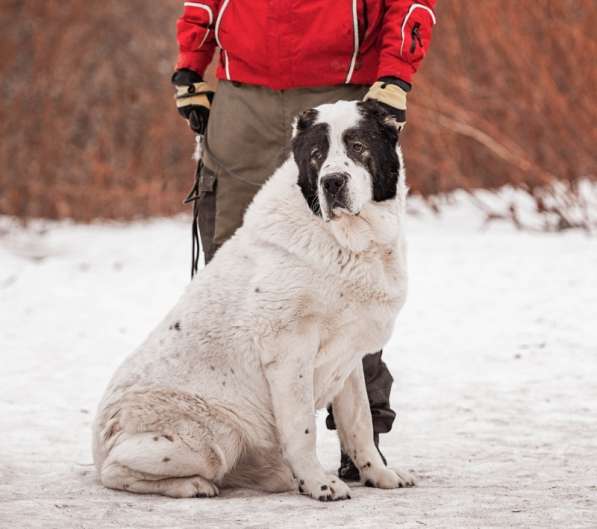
x=194 y=94
x=387 y=93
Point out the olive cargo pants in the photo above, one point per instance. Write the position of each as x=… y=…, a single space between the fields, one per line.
x=247 y=138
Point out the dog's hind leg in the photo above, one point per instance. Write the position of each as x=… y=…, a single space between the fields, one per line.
x=115 y=475
x=167 y=442
x=171 y=464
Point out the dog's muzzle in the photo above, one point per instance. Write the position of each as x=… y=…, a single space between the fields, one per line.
x=335 y=190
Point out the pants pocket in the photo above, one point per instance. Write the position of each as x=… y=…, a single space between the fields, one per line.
x=207 y=211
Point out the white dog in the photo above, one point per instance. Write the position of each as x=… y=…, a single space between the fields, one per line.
x=224 y=391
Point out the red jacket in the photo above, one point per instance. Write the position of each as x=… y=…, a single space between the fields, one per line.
x=284 y=44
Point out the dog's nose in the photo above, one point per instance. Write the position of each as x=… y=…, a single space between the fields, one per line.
x=333 y=183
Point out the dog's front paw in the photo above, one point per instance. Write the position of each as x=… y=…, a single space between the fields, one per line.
x=326 y=488
x=386 y=478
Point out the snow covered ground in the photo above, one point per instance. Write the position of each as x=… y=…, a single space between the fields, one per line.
x=494 y=355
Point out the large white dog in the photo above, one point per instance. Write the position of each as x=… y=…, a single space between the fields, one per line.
x=224 y=391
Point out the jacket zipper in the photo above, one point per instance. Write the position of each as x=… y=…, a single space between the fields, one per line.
x=217 y=36
x=415 y=37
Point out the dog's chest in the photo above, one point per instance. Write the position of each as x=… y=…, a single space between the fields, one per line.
x=360 y=324
x=358 y=313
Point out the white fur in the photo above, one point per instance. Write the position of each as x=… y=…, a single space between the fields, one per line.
x=224 y=391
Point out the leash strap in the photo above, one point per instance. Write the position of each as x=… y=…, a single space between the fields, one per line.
x=193 y=197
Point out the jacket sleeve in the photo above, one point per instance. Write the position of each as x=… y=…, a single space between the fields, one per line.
x=195 y=35
x=405 y=37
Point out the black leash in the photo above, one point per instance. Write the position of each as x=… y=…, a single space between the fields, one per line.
x=193 y=197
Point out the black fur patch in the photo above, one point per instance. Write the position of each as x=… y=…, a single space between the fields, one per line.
x=378 y=138
x=306 y=119
x=310 y=148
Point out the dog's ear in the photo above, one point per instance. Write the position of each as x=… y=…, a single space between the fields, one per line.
x=392 y=119
x=394 y=122
x=303 y=121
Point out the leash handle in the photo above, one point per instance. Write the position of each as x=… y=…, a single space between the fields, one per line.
x=193 y=197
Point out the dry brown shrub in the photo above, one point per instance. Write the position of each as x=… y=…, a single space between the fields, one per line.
x=507 y=95
x=88 y=127
x=88 y=124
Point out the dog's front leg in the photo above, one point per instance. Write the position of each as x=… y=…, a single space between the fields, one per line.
x=290 y=378
x=355 y=429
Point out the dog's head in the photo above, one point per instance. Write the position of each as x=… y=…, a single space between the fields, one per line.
x=349 y=160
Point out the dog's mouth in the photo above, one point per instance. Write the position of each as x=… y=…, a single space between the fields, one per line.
x=337 y=207
x=338 y=210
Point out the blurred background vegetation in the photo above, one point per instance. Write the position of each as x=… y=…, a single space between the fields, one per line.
x=88 y=126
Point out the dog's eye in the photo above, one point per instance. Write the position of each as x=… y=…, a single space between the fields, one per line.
x=315 y=153
x=358 y=147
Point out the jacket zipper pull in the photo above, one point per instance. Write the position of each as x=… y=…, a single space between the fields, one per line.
x=415 y=37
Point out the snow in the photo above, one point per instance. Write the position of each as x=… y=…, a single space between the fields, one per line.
x=494 y=355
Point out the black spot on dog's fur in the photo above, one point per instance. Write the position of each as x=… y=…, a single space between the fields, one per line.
x=324 y=487
x=166 y=459
x=307 y=430
x=310 y=147
x=168 y=437
x=369 y=483
x=176 y=326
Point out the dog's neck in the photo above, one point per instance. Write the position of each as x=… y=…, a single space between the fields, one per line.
x=280 y=216
x=378 y=224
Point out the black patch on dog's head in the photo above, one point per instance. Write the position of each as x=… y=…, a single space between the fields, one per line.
x=310 y=147
x=372 y=144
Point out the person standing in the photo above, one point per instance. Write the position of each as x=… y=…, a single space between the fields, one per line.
x=276 y=60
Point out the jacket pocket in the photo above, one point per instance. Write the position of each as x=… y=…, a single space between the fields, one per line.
x=415 y=32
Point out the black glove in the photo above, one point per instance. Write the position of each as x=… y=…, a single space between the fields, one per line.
x=391 y=93
x=193 y=98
